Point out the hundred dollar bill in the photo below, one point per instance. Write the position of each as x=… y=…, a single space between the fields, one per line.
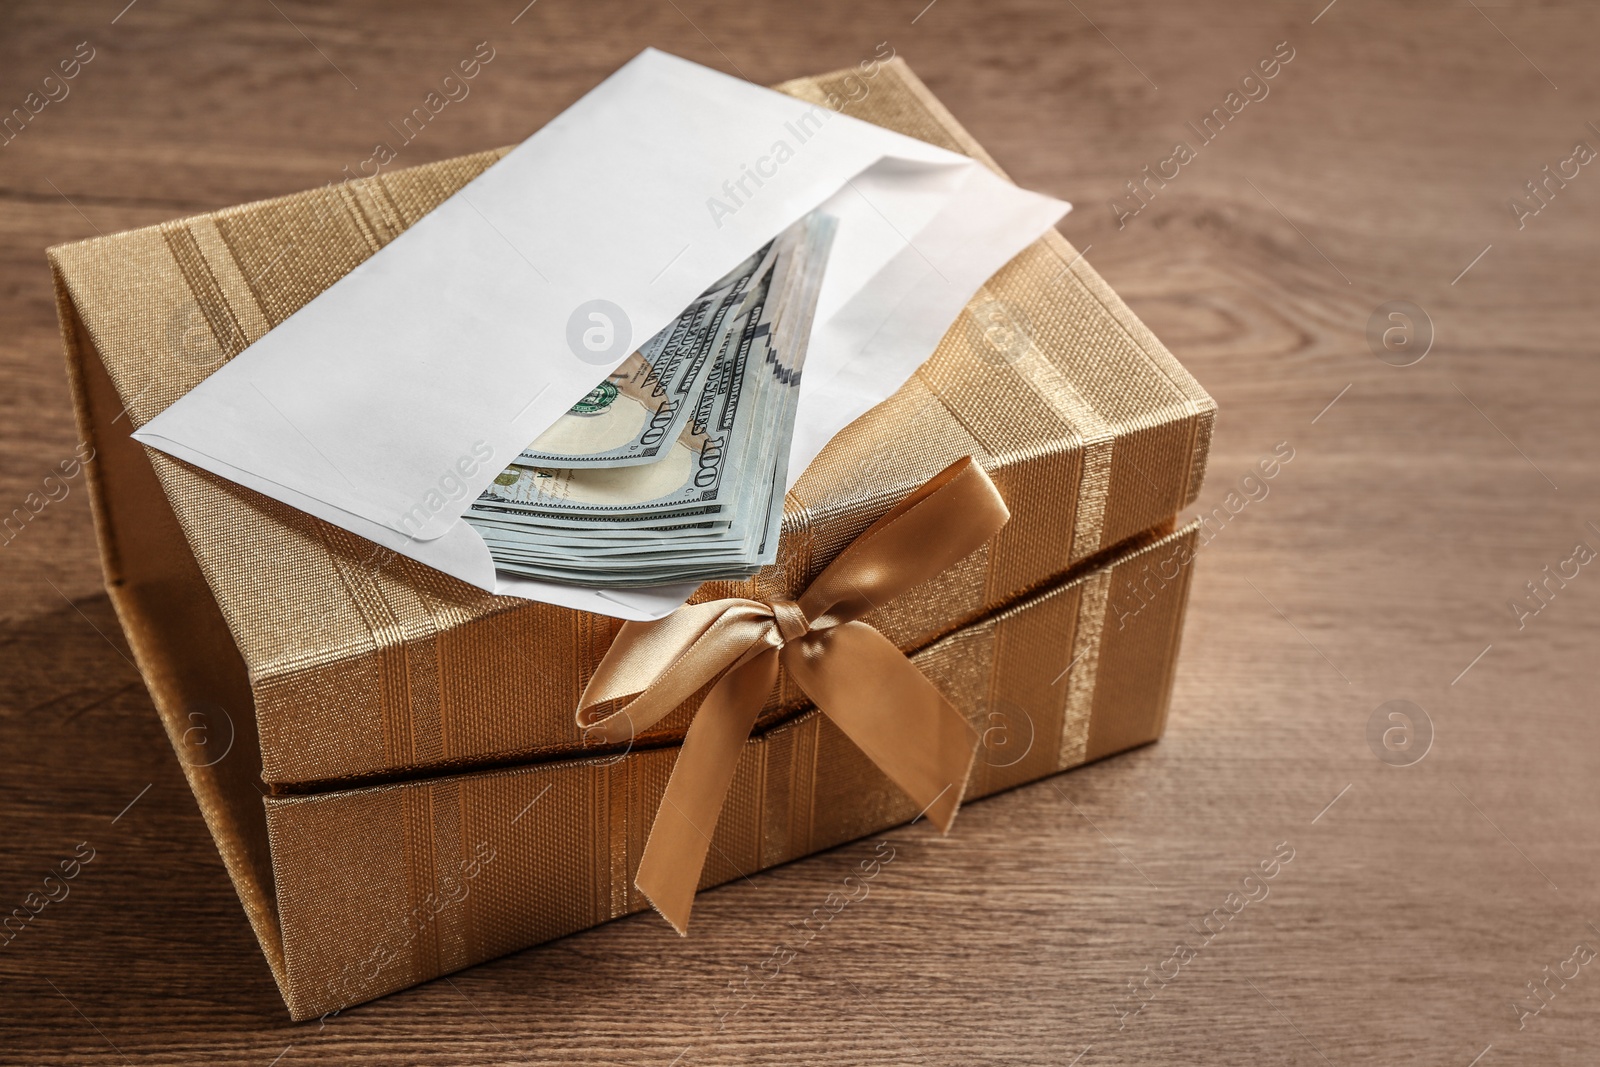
x=726 y=547
x=711 y=505
x=635 y=414
x=687 y=479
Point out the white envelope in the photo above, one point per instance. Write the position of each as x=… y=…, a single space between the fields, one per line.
x=390 y=401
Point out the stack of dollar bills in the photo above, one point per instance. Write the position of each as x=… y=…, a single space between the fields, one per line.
x=673 y=468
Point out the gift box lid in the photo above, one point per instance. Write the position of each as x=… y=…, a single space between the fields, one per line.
x=363 y=664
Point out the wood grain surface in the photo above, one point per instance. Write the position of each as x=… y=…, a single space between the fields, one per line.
x=1421 y=899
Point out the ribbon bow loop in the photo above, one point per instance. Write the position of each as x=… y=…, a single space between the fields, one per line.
x=851 y=672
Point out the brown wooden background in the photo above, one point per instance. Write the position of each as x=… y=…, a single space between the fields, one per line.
x=1380 y=565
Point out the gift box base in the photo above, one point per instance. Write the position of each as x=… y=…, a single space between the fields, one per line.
x=360 y=892
x=429 y=804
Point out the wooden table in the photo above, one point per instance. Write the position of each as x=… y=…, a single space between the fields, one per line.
x=1423 y=894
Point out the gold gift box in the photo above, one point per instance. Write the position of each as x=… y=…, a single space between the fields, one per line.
x=396 y=718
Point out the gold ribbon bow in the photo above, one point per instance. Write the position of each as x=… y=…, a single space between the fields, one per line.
x=850 y=671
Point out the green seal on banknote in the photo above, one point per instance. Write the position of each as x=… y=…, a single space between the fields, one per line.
x=599 y=398
x=506 y=477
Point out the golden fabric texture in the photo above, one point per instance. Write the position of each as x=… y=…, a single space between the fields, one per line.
x=373 y=887
x=430 y=801
x=360 y=892
x=851 y=672
x=366 y=665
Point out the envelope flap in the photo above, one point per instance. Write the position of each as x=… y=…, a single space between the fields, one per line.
x=398 y=393
x=167 y=305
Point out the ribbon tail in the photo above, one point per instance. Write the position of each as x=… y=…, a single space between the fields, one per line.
x=675 y=855
x=890 y=711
